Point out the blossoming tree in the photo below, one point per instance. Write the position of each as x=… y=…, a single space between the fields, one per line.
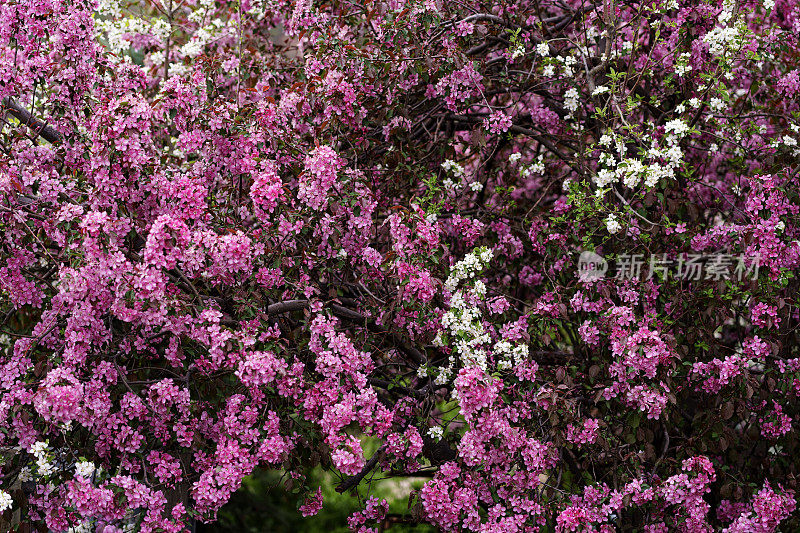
x=242 y=234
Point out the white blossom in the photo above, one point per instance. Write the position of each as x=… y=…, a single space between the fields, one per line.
x=43 y=465
x=604 y=177
x=677 y=127
x=452 y=166
x=5 y=501
x=25 y=475
x=435 y=432
x=543 y=49
x=716 y=104
x=720 y=37
x=630 y=170
x=612 y=224
x=656 y=172
x=571 y=99
x=84 y=469
x=682 y=65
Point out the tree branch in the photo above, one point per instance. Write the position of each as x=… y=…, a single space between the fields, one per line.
x=352 y=481
x=40 y=128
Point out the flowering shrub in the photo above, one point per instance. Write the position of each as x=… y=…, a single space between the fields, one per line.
x=249 y=234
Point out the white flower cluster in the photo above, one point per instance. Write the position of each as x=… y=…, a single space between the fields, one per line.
x=468 y=267
x=115 y=30
x=458 y=172
x=215 y=30
x=682 y=65
x=786 y=141
x=571 y=100
x=612 y=224
x=109 y=8
x=452 y=166
x=436 y=432
x=633 y=171
x=177 y=69
x=673 y=154
x=607 y=159
x=719 y=39
x=200 y=13
x=604 y=177
x=463 y=325
x=676 y=127
x=535 y=168
x=716 y=104
x=727 y=11
x=543 y=49
x=462 y=322
x=518 y=51
x=656 y=172
x=508 y=354
x=5 y=501
x=25 y=474
x=722 y=37
x=44 y=466
x=84 y=469
x=569 y=62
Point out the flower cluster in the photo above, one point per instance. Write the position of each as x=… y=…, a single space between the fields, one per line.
x=342 y=237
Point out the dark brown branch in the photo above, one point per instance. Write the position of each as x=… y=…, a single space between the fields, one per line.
x=287 y=306
x=382 y=383
x=352 y=481
x=39 y=128
x=354 y=316
x=530 y=133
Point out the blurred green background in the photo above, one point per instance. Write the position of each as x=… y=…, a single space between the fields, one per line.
x=263 y=504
